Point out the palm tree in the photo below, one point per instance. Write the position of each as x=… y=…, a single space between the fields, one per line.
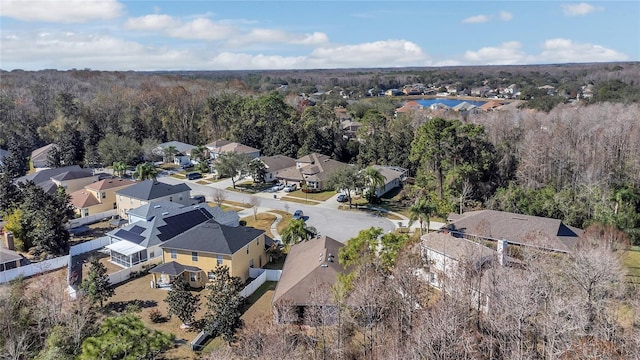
x=421 y=211
x=119 y=168
x=145 y=171
x=297 y=231
x=375 y=179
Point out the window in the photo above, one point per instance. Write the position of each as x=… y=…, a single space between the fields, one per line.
x=86 y=212
x=258 y=241
x=180 y=198
x=174 y=254
x=170 y=198
x=115 y=205
x=104 y=195
x=194 y=256
x=247 y=249
x=193 y=277
x=219 y=260
x=211 y=275
x=151 y=254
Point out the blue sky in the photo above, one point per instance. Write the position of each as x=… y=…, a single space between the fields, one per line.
x=238 y=35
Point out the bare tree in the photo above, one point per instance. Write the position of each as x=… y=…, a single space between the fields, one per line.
x=219 y=196
x=254 y=201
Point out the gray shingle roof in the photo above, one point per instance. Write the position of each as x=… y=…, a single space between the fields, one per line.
x=211 y=237
x=151 y=189
x=179 y=146
x=173 y=268
x=42 y=176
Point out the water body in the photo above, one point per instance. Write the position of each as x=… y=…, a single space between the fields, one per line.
x=448 y=102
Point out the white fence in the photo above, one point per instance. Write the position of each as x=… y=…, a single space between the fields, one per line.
x=92 y=218
x=125 y=274
x=89 y=246
x=260 y=277
x=33 y=269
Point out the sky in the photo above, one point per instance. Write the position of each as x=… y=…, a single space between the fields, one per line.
x=266 y=35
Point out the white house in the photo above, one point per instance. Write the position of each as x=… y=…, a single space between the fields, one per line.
x=394 y=177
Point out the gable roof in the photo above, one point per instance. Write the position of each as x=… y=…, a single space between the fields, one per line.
x=110 y=183
x=456 y=248
x=73 y=174
x=83 y=199
x=308 y=265
x=151 y=189
x=312 y=167
x=179 y=146
x=222 y=146
x=391 y=172
x=173 y=268
x=41 y=153
x=42 y=176
x=277 y=162
x=7 y=255
x=168 y=208
x=211 y=237
x=545 y=233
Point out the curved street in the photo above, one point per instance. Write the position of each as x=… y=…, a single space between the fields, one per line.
x=326 y=218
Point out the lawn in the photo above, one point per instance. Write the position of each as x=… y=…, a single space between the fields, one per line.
x=631 y=260
x=237 y=204
x=203 y=182
x=319 y=196
x=178 y=176
x=263 y=222
x=299 y=201
x=286 y=219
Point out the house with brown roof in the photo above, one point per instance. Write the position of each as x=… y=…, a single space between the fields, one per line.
x=522 y=230
x=311 y=266
x=98 y=197
x=491 y=105
x=40 y=156
x=275 y=164
x=314 y=170
x=394 y=176
x=224 y=146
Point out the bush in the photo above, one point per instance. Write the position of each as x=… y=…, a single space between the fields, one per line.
x=243 y=223
x=155 y=316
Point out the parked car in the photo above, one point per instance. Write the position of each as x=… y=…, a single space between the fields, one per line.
x=290 y=188
x=186 y=166
x=279 y=186
x=194 y=176
x=298 y=214
x=343 y=198
x=199 y=199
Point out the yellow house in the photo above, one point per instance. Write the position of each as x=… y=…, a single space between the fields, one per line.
x=98 y=197
x=148 y=191
x=196 y=252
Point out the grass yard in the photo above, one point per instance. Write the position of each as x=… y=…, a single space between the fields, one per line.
x=631 y=260
x=178 y=176
x=320 y=196
x=263 y=222
x=286 y=219
x=203 y=182
x=237 y=204
x=299 y=201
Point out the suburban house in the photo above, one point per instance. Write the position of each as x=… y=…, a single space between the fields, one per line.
x=394 y=177
x=349 y=126
x=164 y=208
x=182 y=155
x=149 y=191
x=523 y=230
x=275 y=164
x=48 y=179
x=451 y=262
x=98 y=197
x=9 y=259
x=194 y=253
x=40 y=156
x=224 y=146
x=310 y=266
x=314 y=170
x=140 y=241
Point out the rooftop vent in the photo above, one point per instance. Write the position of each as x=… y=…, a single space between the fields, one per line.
x=324 y=265
x=165 y=213
x=156 y=206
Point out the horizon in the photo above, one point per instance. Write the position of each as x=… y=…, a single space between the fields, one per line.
x=111 y=35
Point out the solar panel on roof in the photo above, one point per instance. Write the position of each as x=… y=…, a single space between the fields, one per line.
x=129 y=236
x=180 y=223
x=137 y=229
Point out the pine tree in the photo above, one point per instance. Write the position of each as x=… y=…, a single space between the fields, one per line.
x=181 y=302
x=97 y=286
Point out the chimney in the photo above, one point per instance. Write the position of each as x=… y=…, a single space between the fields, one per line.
x=502 y=252
x=8 y=237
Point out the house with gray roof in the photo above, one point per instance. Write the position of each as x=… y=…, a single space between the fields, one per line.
x=195 y=253
x=275 y=164
x=313 y=169
x=182 y=155
x=225 y=146
x=394 y=176
x=40 y=157
x=522 y=230
x=72 y=178
x=150 y=191
x=140 y=241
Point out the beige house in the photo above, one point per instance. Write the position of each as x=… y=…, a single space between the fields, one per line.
x=225 y=146
x=149 y=191
x=314 y=170
x=98 y=197
x=274 y=164
x=195 y=253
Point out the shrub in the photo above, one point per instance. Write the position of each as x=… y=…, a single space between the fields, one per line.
x=155 y=316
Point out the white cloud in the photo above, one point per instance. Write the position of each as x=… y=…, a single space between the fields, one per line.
x=564 y=50
x=155 y=22
x=202 y=29
x=579 y=9
x=505 y=16
x=476 y=19
x=61 y=11
x=508 y=53
x=263 y=36
x=390 y=53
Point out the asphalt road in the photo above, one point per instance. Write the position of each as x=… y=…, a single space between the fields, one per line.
x=338 y=224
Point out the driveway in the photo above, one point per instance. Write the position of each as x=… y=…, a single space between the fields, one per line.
x=338 y=224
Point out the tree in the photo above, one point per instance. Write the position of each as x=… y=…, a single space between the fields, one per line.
x=181 y=302
x=119 y=148
x=297 y=231
x=198 y=153
x=375 y=180
x=125 y=337
x=119 y=168
x=219 y=196
x=421 y=211
x=347 y=179
x=233 y=165
x=224 y=304
x=145 y=171
x=254 y=201
x=258 y=170
x=96 y=286
x=169 y=153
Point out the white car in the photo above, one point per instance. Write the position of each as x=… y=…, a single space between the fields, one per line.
x=290 y=188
